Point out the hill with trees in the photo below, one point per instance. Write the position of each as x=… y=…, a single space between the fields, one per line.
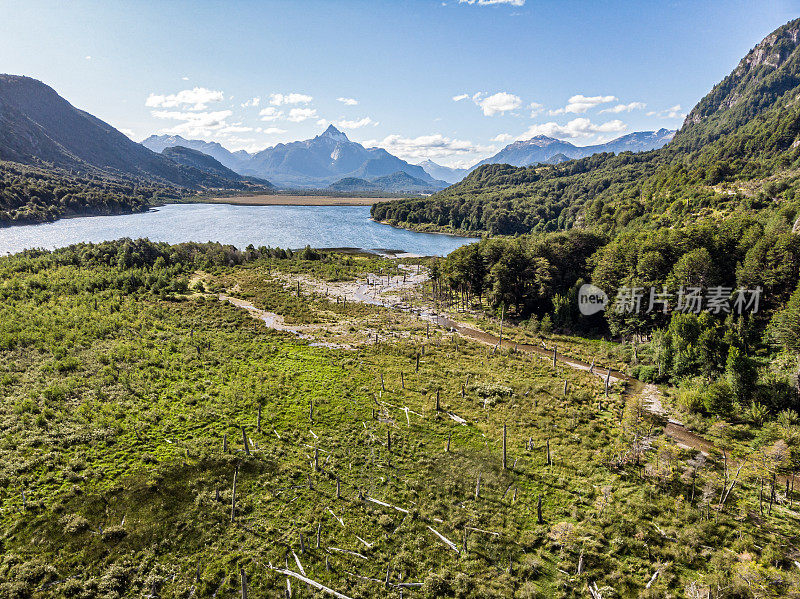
x=739 y=149
x=78 y=164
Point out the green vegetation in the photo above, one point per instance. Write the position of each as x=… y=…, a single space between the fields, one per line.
x=30 y=194
x=125 y=393
x=739 y=150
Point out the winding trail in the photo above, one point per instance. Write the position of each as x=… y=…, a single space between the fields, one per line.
x=387 y=292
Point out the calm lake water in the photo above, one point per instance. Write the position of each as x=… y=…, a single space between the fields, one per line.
x=277 y=226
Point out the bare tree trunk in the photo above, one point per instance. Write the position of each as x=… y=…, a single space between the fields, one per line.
x=245 y=442
x=233 y=499
x=502 y=318
x=505 y=463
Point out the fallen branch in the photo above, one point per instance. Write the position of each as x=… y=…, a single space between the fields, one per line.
x=348 y=552
x=335 y=516
x=299 y=565
x=487 y=532
x=309 y=582
x=458 y=419
x=653 y=578
x=384 y=504
x=445 y=540
x=366 y=544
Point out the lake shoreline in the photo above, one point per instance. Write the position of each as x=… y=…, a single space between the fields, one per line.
x=286 y=226
x=287 y=200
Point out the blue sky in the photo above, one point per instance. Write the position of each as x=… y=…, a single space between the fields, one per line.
x=453 y=81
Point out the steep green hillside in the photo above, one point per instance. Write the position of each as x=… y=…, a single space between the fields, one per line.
x=739 y=149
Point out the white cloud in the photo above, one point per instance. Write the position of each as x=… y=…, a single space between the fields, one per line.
x=460 y=97
x=271 y=130
x=577 y=128
x=579 y=103
x=625 y=107
x=490 y=2
x=298 y=115
x=127 y=132
x=673 y=112
x=347 y=101
x=293 y=98
x=502 y=138
x=429 y=146
x=252 y=102
x=185 y=78
x=88 y=57
x=198 y=124
x=197 y=98
x=536 y=109
x=356 y=124
x=499 y=102
x=270 y=113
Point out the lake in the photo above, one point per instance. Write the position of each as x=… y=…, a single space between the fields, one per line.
x=276 y=226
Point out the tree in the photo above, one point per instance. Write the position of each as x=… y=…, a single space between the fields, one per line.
x=741 y=374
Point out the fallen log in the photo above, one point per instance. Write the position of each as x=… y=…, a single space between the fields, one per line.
x=384 y=504
x=308 y=581
x=348 y=552
x=444 y=539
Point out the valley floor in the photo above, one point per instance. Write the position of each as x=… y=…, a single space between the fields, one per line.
x=156 y=438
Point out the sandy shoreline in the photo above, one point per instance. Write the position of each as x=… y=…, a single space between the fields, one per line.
x=298 y=200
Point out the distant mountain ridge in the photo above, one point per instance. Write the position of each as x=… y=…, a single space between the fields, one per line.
x=399 y=182
x=39 y=127
x=201 y=161
x=445 y=173
x=541 y=148
x=311 y=163
x=231 y=160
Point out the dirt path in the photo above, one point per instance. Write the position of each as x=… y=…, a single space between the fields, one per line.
x=389 y=292
x=276 y=322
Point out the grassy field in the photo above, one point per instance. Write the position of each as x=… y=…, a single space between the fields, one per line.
x=129 y=410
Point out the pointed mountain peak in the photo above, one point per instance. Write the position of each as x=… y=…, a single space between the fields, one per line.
x=333 y=133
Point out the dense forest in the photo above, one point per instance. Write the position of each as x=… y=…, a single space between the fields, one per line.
x=30 y=194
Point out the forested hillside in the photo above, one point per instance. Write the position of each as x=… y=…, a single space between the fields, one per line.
x=739 y=150
x=30 y=194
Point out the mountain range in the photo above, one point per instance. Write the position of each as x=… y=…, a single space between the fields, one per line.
x=331 y=156
x=39 y=127
x=542 y=149
x=311 y=163
x=231 y=160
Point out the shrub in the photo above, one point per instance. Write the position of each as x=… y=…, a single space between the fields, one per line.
x=718 y=399
x=74 y=524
